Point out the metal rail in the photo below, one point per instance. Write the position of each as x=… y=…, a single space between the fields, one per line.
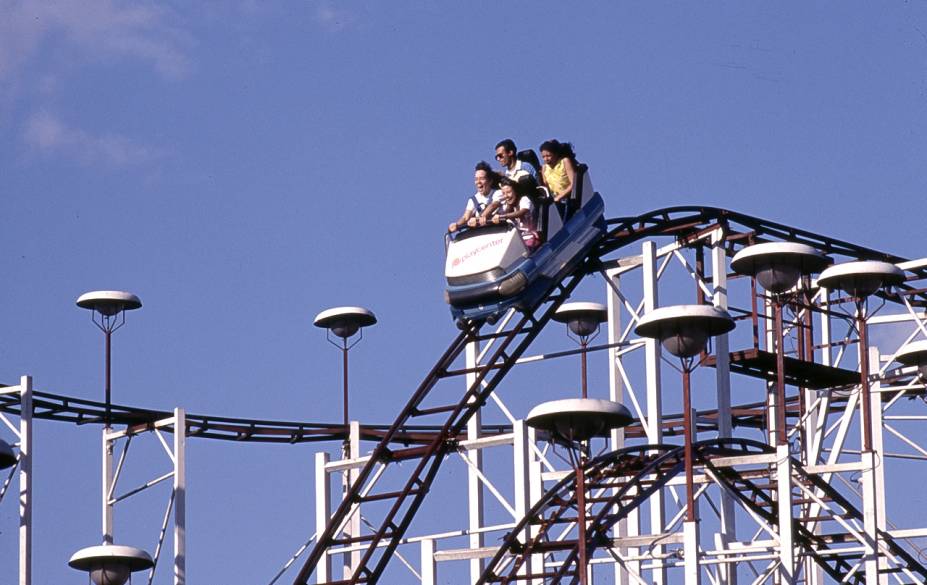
x=632 y=474
x=79 y=411
x=629 y=476
x=68 y=409
x=686 y=222
x=761 y=500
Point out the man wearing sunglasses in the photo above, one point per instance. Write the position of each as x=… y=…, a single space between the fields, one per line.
x=511 y=166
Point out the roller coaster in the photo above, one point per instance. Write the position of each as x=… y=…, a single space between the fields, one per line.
x=813 y=509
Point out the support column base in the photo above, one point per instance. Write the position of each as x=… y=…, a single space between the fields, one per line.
x=690 y=548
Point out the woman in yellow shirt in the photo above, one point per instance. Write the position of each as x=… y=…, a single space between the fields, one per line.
x=559 y=171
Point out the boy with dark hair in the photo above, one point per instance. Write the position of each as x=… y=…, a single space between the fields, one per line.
x=511 y=166
x=486 y=181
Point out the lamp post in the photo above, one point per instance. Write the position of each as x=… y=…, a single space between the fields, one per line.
x=860 y=280
x=344 y=323
x=684 y=331
x=582 y=320
x=108 y=312
x=778 y=266
x=109 y=564
x=573 y=422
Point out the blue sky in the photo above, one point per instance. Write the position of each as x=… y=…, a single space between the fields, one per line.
x=242 y=166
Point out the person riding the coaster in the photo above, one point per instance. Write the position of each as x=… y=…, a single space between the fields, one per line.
x=478 y=205
x=506 y=154
x=517 y=208
x=559 y=172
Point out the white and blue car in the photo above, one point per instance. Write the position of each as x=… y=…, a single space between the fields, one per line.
x=489 y=270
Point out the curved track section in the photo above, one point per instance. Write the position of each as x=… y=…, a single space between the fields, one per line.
x=621 y=481
x=625 y=478
x=688 y=222
x=78 y=411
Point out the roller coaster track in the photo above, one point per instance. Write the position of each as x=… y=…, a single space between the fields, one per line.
x=376 y=550
x=761 y=500
x=621 y=481
x=689 y=222
x=629 y=476
x=79 y=411
x=428 y=444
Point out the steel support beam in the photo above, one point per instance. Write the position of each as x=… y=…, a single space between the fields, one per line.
x=786 y=570
x=180 y=496
x=521 y=464
x=323 y=500
x=475 y=504
x=107 y=485
x=629 y=526
x=693 y=576
x=25 y=481
x=728 y=529
x=878 y=471
x=654 y=423
x=351 y=450
x=429 y=565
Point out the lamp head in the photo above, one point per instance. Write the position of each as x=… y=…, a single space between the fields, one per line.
x=344 y=322
x=583 y=319
x=861 y=278
x=578 y=419
x=778 y=266
x=110 y=564
x=684 y=329
x=109 y=302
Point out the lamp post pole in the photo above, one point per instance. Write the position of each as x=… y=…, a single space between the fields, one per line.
x=865 y=394
x=584 y=345
x=581 y=518
x=781 y=435
x=687 y=442
x=583 y=320
x=108 y=334
x=344 y=376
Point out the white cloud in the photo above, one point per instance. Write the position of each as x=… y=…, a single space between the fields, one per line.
x=96 y=29
x=41 y=40
x=47 y=134
x=332 y=18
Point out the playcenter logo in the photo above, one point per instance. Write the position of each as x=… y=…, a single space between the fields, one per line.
x=461 y=259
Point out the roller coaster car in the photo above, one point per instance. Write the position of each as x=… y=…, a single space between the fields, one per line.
x=489 y=270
